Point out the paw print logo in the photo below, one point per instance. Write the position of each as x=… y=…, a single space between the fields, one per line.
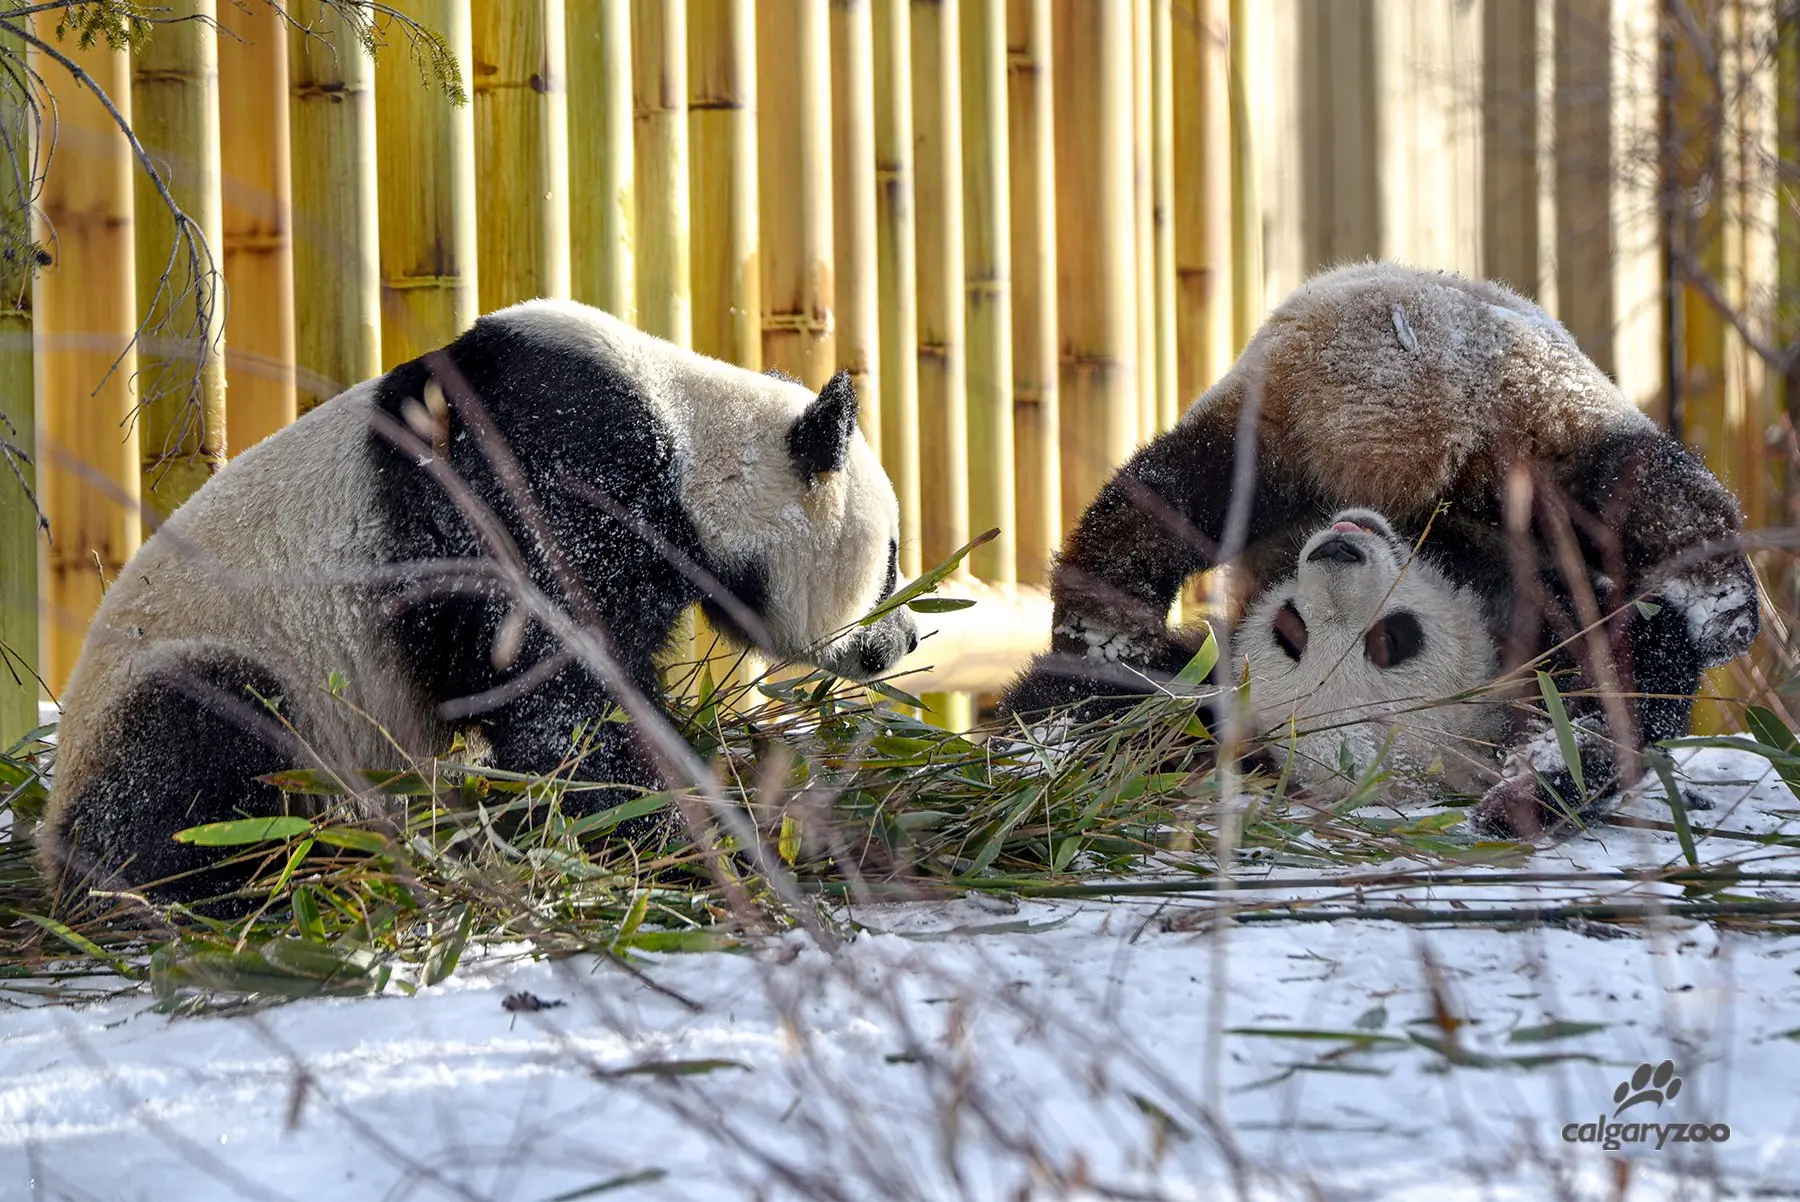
x=1650 y=1083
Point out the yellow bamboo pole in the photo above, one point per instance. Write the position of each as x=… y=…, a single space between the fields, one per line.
x=1787 y=140
x=659 y=56
x=853 y=185
x=659 y=80
x=942 y=273
x=521 y=150
x=1036 y=453
x=1162 y=210
x=1096 y=245
x=602 y=161
x=793 y=62
x=1509 y=145
x=987 y=225
x=258 y=224
x=84 y=304
x=337 y=264
x=943 y=402
x=726 y=280
x=175 y=112
x=1143 y=214
x=427 y=195
x=727 y=283
x=18 y=423
x=897 y=267
x=1199 y=44
x=1246 y=204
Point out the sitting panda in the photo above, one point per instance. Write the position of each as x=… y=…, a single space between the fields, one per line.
x=1364 y=652
x=367 y=545
x=1453 y=403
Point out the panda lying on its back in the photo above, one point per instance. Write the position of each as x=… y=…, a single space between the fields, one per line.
x=1356 y=650
x=632 y=477
x=1354 y=656
x=1386 y=387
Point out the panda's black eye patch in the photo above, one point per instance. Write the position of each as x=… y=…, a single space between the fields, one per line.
x=1290 y=631
x=1394 y=639
x=893 y=570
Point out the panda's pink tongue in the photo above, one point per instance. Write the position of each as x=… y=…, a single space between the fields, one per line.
x=1345 y=528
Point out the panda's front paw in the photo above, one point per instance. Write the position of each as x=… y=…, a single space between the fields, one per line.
x=1512 y=809
x=1721 y=610
x=1094 y=639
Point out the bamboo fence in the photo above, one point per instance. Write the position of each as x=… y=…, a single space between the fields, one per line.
x=426 y=192
x=18 y=427
x=84 y=310
x=258 y=225
x=181 y=364
x=337 y=258
x=1032 y=230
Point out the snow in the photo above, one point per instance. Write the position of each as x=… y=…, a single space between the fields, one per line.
x=976 y=1048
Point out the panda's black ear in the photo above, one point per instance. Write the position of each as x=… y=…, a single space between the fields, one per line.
x=819 y=439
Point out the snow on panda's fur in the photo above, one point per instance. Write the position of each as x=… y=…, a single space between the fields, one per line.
x=1356 y=656
x=1397 y=389
x=659 y=478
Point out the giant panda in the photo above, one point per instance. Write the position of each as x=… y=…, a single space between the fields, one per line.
x=627 y=477
x=1365 y=655
x=1458 y=405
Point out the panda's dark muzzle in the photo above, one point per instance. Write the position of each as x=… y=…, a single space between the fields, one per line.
x=1337 y=550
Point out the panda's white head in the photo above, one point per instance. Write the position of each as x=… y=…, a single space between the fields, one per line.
x=795 y=505
x=1350 y=652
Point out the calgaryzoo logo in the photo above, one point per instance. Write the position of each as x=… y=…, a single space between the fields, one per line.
x=1651 y=1084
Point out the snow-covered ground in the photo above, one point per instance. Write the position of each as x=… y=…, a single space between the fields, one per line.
x=972 y=1050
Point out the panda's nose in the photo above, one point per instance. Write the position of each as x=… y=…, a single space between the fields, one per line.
x=1336 y=549
x=912 y=641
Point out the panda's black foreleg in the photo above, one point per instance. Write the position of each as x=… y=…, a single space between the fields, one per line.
x=1658 y=668
x=1158 y=521
x=189 y=744
x=569 y=726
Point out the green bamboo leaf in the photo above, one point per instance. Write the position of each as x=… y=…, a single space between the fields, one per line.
x=788 y=846
x=444 y=956
x=1565 y=731
x=929 y=581
x=306 y=914
x=1773 y=733
x=1664 y=768
x=606 y=820
x=634 y=918
x=1780 y=759
x=990 y=850
x=352 y=839
x=939 y=605
x=1199 y=669
x=679 y=941
x=242 y=831
x=85 y=946
x=1362 y=1037
x=301 y=850
x=1553 y=1030
x=882 y=688
x=677 y=1068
